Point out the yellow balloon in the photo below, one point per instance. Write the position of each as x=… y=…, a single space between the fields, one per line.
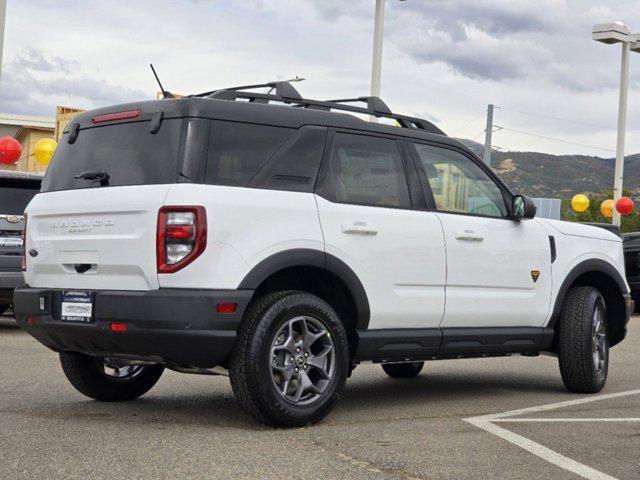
x=580 y=202
x=606 y=208
x=44 y=149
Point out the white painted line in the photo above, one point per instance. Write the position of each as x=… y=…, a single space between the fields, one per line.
x=543 y=452
x=486 y=423
x=544 y=420
x=555 y=406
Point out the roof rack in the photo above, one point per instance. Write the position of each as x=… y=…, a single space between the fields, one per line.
x=284 y=92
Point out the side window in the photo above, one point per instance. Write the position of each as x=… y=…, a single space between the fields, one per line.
x=458 y=184
x=366 y=170
x=238 y=150
x=295 y=166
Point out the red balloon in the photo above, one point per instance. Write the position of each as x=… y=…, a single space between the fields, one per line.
x=624 y=206
x=10 y=150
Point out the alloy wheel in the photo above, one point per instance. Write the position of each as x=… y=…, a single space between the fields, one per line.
x=303 y=359
x=599 y=340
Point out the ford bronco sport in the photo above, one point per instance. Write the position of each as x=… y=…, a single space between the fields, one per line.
x=285 y=240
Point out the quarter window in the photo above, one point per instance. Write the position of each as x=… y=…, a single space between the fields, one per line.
x=366 y=170
x=458 y=184
x=238 y=150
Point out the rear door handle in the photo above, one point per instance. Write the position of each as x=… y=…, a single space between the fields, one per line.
x=468 y=236
x=359 y=228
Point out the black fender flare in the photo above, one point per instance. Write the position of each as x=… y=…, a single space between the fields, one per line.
x=591 y=265
x=307 y=257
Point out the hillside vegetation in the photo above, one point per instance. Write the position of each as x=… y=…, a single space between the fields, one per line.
x=545 y=175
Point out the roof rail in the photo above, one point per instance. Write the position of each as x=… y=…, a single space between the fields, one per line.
x=283 y=89
x=284 y=92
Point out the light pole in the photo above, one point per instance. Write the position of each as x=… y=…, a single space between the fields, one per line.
x=376 y=64
x=611 y=33
x=3 y=14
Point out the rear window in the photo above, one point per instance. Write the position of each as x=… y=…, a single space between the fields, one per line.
x=128 y=152
x=238 y=150
x=15 y=195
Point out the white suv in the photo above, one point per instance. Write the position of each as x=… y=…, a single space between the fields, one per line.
x=284 y=243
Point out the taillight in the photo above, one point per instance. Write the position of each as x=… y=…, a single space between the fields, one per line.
x=181 y=237
x=23 y=235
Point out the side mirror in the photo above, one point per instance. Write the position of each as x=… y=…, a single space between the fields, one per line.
x=523 y=207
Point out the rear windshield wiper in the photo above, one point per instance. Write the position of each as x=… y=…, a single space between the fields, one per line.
x=95 y=175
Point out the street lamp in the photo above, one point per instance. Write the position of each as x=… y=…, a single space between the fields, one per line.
x=611 y=33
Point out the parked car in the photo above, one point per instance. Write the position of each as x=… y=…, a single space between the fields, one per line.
x=16 y=191
x=631 y=246
x=286 y=241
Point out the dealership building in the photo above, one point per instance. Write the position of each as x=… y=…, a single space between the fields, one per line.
x=28 y=130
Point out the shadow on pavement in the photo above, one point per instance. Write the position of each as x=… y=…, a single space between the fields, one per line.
x=372 y=399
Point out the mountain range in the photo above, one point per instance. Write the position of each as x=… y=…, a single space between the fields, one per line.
x=545 y=175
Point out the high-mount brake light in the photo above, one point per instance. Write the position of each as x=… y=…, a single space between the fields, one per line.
x=112 y=117
x=181 y=236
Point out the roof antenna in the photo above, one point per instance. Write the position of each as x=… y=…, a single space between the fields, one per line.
x=165 y=94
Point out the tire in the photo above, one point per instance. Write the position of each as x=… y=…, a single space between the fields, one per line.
x=583 y=341
x=271 y=387
x=4 y=307
x=403 y=370
x=92 y=377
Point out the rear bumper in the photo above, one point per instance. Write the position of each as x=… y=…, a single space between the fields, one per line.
x=170 y=326
x=8 y=282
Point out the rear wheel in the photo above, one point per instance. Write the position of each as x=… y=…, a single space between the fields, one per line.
x=108 y=380
x=403 y=370
x=291 y=359
x=583 y=341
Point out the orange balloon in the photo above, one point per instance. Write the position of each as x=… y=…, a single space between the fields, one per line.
x=606 y=209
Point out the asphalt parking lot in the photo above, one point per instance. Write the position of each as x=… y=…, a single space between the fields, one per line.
x=449 y=423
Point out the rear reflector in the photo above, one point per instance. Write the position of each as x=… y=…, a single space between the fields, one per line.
x=118 y=327
x=226 y=307
x=112 y=117
x=32 y=321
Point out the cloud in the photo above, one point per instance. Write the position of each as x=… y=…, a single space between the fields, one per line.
x=34 y=82
x=477 y=56
x=35 y=60
x=442 y=59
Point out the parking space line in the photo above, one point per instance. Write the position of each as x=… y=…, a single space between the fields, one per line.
x=543 y=420
x=487 y=423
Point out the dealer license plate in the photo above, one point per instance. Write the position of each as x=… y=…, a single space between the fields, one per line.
x=76 y=306
x=11 y=242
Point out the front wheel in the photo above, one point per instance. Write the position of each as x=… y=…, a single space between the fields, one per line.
x=583 y=341
x=106 y=379
x=291 y=359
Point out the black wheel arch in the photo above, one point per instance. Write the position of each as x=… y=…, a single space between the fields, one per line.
x=316 y=260
x=606 y=278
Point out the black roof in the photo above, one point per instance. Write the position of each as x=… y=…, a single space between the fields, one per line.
x=289 y=110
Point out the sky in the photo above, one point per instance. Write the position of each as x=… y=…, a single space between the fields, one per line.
x=443 y=60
